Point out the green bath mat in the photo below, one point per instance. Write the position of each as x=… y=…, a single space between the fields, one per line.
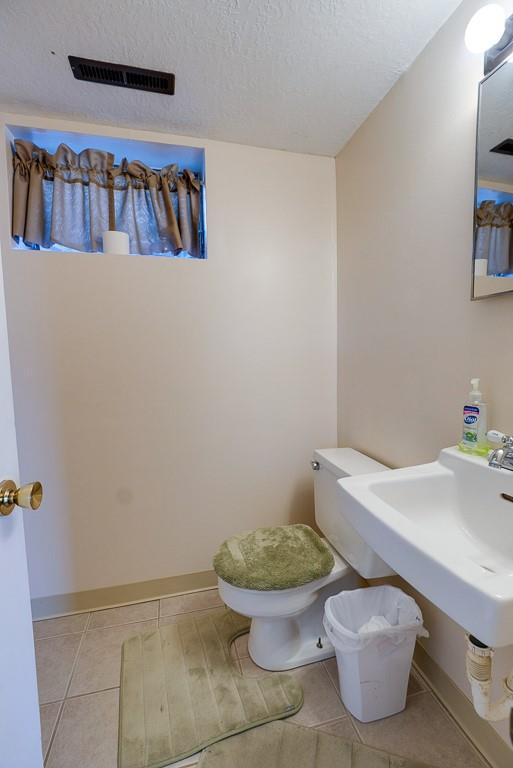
x=181 y=691
x=284 y=745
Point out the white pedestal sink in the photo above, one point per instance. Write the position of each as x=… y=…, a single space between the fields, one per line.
x=447 y=528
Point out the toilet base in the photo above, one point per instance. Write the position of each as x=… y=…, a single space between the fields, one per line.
x=280 y=643
x=287 y=656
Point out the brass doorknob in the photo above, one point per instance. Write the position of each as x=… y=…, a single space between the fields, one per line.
x=28 y=496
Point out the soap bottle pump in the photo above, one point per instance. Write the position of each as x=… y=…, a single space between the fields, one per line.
x=473 y=439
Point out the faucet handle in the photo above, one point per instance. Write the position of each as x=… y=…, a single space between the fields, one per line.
x=494 y=436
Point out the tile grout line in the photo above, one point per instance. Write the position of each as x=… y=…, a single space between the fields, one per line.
x=332 y=720
x=87 y=627
x=67 y=696
x=348 y=714
x=63 y=634
x=194 y=610
x=75 y=661
x=428 y=689
x=94 y=629
x=61 y=708
x=425 y=688
x=448 y=716
x=54 y=729
x=123 y=624
x=355 y=726
x=415 y=693
x=128 y=604
x=355 y=721
x=453 y=721
x=332 y=682
x=423 y=685
x=91 y=693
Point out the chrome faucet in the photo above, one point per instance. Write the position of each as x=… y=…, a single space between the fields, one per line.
x=501 y=458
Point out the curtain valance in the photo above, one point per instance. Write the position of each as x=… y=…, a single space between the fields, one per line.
x=494 y=223
x=70 y=198
x=492 y=214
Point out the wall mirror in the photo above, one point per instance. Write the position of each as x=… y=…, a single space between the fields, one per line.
x=492 y=266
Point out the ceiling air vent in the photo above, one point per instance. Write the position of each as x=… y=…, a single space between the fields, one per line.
x=504 y=148
x=125 y=77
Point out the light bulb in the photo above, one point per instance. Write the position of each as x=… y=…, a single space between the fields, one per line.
x=485 y=28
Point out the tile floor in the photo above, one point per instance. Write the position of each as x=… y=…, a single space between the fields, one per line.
x=78 y=661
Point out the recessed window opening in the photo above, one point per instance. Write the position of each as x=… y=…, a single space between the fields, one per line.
x=69 y=189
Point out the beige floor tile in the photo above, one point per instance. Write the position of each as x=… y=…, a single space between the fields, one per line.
x=49 y=713
x=342 y=727
x=195 y=601
x=54 y=661
x=179 y=617
x=65 y=625
x=423 y=732
x=87 y=733
x=414 y=684
x=321 y=702
x=99 y=661
x=126 y=614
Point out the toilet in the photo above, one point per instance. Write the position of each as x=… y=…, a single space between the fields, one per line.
x=286 y=624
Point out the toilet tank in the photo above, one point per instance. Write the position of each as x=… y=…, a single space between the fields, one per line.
x=331 y=464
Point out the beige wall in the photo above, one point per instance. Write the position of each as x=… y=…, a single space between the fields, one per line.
x=409 y=337
x=167 y=404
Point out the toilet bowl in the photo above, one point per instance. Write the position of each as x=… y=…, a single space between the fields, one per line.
x=286 y=624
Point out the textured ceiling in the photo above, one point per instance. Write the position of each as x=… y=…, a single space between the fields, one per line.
x=299 y=75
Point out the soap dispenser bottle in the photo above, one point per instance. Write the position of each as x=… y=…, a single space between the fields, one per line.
x=473 y=439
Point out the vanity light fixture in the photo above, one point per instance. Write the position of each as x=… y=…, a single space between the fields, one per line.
x=485 y=28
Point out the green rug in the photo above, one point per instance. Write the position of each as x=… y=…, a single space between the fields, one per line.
x=284 y=745
x=279 y=557
x=181 y=691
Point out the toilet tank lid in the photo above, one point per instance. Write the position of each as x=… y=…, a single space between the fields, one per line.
x=346 y=462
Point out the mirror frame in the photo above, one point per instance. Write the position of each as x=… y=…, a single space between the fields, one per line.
x=503 y=62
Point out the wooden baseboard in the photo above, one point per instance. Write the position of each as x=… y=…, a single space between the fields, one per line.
x=125 y=594
x=479 y=731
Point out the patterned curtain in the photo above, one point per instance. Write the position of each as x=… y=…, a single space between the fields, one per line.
x=493 y=236
x=70 y=199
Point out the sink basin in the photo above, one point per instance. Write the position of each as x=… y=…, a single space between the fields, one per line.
x=446 y=528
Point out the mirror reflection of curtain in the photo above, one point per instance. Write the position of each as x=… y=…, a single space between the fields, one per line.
x=494 y=236
x=70 y=198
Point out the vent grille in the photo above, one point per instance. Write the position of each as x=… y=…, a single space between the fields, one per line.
x=124 y=77
x=504 y=148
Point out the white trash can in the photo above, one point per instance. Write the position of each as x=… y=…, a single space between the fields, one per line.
x=373 y=631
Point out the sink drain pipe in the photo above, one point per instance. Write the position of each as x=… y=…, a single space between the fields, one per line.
x=479 y=674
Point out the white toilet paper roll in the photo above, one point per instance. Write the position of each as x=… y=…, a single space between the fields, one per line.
x=116 y=242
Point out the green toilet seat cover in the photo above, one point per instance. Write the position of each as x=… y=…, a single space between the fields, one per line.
x=280 y=557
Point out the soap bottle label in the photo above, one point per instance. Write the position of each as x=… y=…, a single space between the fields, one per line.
x=470 y=423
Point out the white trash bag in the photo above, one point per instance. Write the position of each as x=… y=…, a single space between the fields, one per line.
x=348 y=616
x=373 y=631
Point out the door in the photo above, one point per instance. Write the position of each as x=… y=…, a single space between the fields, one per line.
x=20 y=734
